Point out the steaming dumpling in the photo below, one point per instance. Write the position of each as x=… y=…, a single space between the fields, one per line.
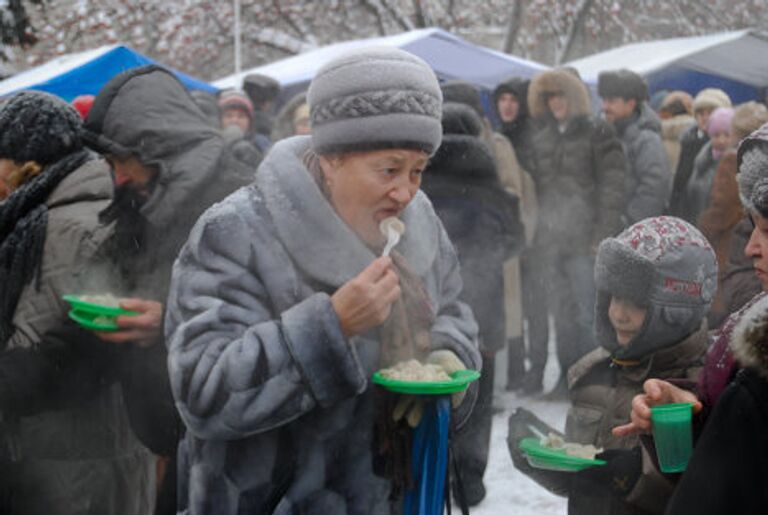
x=393 y=223
x=413 y=370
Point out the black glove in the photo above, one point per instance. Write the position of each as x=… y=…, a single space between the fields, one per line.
x=617 y=477
x=522 y=424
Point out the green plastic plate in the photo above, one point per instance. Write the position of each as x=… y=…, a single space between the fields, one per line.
x=97 y=309
x=93 y=321
x=552 y=459
x=458 y=382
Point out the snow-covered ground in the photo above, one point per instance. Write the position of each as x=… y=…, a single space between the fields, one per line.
x=509 y=491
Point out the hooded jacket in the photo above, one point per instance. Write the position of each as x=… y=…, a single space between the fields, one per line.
x=519 y=131
x=649 y=180
x=78 y=454
x=258 y=363
x=147 y=113
x=728 y=471
x=481 y=218
x=672 y=129
x=579 y=172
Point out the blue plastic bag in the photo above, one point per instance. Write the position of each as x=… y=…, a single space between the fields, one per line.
x=430 y=459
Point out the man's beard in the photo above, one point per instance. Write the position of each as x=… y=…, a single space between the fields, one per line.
x=127 y=240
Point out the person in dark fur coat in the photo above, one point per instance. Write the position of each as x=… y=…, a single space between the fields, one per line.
x=579 y=170
x=483 y=222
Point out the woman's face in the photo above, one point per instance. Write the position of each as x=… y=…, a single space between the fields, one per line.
x=626 y=318
x=721 y=141
x=757 y=248
x=367 y=187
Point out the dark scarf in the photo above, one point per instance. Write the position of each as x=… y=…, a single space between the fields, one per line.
x=23 y=225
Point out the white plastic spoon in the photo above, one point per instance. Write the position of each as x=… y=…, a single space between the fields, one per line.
x=392 y=228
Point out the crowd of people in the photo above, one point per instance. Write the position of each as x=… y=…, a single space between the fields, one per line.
x=242 y=230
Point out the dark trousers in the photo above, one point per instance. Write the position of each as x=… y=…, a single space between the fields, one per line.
x=535 y=308
x=472 y=443
x=571 y=294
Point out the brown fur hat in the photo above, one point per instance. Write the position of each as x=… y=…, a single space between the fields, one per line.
x=558 y=81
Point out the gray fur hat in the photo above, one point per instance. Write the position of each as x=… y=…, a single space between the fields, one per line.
x=752 y=162
x=664 y=264
x=622 y=83
x=36 y=126
x=373 y=99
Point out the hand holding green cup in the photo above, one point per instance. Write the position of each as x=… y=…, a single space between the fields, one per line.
x=672 y=435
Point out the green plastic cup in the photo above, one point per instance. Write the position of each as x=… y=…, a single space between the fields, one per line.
x=673 y=435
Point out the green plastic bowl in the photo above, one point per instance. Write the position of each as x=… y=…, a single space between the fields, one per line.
x=553 y=459
x=97 y=309
x=94 y=321
x=459 y=382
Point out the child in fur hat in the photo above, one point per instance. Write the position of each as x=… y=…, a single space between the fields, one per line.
x=655 y=283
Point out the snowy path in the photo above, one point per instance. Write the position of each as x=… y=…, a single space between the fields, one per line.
x=509 y=491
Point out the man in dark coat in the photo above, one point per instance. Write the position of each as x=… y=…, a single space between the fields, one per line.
x=579 y=169
x=169 y=165
x=483 y=222
x=649 y=180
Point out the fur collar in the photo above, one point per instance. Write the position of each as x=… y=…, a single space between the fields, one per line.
x=319 y=242
x=749 y=342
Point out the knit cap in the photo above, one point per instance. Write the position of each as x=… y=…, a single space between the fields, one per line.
x=711 y=98
x=36 y=126
x=462 y=92
x=720 y=121
x=375 y=98
x=233 y=99
x=748 y=117
x=665 y=265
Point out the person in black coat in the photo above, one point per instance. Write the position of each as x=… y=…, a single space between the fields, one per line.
x=728 y=472
x=483 y=221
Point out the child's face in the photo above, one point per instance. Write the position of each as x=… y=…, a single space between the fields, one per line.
x=626 y=318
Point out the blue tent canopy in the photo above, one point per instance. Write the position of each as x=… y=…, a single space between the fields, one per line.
x=449 y=56
x=732 y=61
x=86 y=73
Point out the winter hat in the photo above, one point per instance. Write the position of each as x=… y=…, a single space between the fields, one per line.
x=752 y=162
x=677 y=103
x=622 y=83
x=234 y=99
x=720 y=121
x=664 y=264
x=558 y=81
x=36 y=126
x=711 y=98
x=747 y=118
x=461 y=119
x=462 y=92
x=82 y=104
x=260 y=88
x=375 y=98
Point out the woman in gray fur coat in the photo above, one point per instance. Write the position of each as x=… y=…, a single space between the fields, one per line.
x=280 y=310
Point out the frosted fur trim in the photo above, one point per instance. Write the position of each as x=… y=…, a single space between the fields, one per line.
x=750 y=338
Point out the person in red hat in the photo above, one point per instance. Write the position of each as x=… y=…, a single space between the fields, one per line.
x=82 y=104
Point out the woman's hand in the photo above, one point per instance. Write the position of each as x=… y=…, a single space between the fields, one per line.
x=657 y=392
x=365 y=301
x=143 y=329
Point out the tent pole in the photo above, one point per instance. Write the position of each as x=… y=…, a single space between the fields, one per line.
x=237 y=37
